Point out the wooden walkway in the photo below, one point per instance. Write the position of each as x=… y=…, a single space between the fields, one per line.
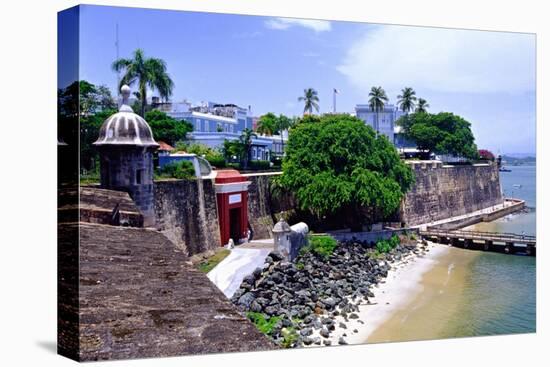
x=487 y=241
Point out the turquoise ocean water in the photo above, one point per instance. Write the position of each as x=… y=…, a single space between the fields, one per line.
x=500 y=295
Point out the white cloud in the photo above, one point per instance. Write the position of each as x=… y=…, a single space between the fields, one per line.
x=285 y=23
x=445 y=60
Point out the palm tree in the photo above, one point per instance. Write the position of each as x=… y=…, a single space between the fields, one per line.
x=376 y=102
x=283 y=123
x=147 y=73
x=311 y=100
x=267 y=124
x=246 y=142
x=406 y=100
x=422 y=105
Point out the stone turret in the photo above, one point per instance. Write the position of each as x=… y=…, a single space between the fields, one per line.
x=126 y=147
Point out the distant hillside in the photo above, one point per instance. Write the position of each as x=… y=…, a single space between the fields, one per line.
x=515 y=161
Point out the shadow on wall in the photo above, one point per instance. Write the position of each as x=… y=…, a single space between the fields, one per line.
x=186 y=213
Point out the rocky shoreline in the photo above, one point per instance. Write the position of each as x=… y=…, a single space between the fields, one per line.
x=315 y=300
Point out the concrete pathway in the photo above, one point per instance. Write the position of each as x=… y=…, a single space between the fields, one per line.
x=229 y=274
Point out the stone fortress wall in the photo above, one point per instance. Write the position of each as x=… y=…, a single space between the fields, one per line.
x=442 y=191
x=186 y=211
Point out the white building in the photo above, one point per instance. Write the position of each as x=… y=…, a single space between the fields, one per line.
x=383 y=121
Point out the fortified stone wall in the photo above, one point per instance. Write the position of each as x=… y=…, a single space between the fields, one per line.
x=260 y=206
x=442 y=191
x=186 y=212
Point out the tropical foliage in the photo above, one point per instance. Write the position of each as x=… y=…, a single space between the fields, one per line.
x=422 y=105
x=182 y=170
x=213 y=156
x=270 y=124
x=442 y=133
x=377 y=101
x=267 y=124
x=147 y=73
x=246 y=143
x=91 y=105
x=323 y=246
x=311 y=100
x=407 y=99
x=335 y=164
x=166 y=128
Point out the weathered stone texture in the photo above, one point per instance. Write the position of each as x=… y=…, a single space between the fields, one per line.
x=95 y=205
x=445 y=191
x=130 y=169
x=138 y=298
x=186 y=212
x=259 y=205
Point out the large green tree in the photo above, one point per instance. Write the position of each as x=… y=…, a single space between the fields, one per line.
x=335 y=165
x=442 y=133
x=146 y=73
x=166 y=128
x=91 y=104
x=377 y=101
x=310 y=99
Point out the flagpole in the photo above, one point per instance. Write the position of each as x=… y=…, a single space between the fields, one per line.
x=334 y=100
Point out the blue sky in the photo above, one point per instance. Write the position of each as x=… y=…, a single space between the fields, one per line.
x=486 y=77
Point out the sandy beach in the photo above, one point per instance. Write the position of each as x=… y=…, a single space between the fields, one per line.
x=392 y=294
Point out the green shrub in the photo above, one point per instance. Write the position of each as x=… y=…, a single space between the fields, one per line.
x=321 y=245
x=264 y=324
x=259 y=165
x=290 y=336
x=385 y=246
x=181 y=170
x=216 y=160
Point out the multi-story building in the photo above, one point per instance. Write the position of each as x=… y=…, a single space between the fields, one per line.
x=213 y=123
x=382 y=121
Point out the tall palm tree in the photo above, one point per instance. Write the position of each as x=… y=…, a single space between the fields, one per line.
x=246 y=142
x=377 y=100
x=406 y=100
x=147 y=73
x=422 y=105
x=311 y=100
x=283 y=123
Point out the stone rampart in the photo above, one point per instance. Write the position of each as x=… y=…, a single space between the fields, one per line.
x=442 y=191
x=186 y=213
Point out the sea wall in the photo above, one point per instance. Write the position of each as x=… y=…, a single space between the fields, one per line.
x=442 y=191
x=186 y=213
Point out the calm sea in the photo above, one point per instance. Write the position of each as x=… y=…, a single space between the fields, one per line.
x=500 y=292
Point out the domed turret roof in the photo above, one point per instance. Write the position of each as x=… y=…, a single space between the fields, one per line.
x=281 y=227
x=126 y=127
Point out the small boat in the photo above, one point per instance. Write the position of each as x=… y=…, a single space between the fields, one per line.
x=517 y=186
x=504 y=169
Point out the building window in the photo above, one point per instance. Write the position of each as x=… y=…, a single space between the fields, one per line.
x=206 y=127
x=253 y=153
x=198 y=125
